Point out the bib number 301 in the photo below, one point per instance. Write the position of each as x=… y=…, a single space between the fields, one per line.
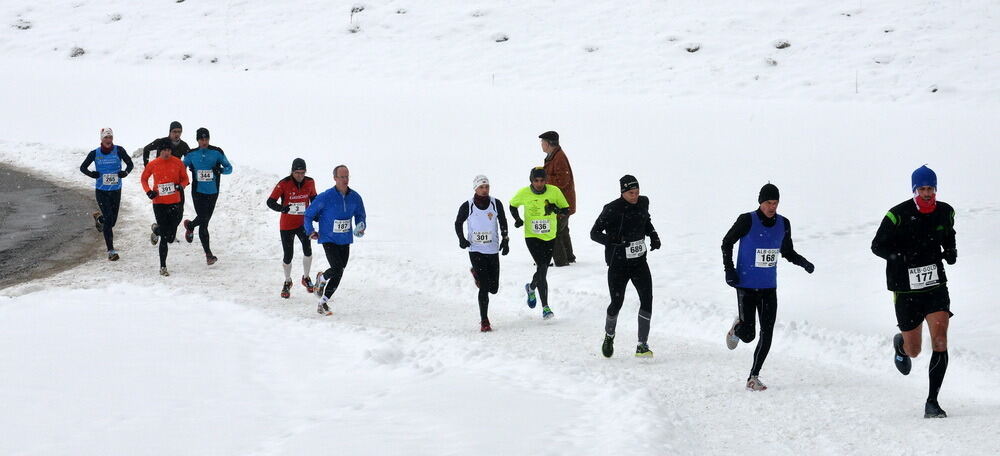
x=342 y=226
x=482 y=237
x=923 y=277
x=766 y=258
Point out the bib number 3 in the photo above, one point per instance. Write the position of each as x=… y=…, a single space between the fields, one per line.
x=342 y=226
x=766 y=258
x=923 y=277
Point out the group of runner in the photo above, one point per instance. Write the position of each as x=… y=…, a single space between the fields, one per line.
x=915 y=238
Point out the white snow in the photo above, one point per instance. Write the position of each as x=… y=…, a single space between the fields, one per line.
x=110 y=358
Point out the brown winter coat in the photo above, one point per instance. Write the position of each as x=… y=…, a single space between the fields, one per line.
x=560 y=174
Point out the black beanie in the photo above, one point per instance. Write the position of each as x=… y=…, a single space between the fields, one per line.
x=175 y=124
x=536 y=172
x=768 y=192
x=628 y=182
x=298 y=164
x=550 y=136
x=201 y=133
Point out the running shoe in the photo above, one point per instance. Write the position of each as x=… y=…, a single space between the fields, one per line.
x=164 y=272
x=608 y=347
x=154 y=237
x=731 y=339
x=286 y=289
x=531 y=296
x=211 y=259
x=188 y=232
x=323 y=309
x=642 y=351
x=112 y=255
x=547 y=312
x=902 y=361
x=97 y=221
x=307 y=282
x=754 y=384
x=320 y=285
x=933 y=410
x=484 y=326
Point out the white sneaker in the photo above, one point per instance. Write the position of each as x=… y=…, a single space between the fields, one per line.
x=731 y=339
x=754 y=384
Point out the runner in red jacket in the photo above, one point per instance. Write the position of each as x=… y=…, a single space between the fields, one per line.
x=291 y=197
x=169 y=179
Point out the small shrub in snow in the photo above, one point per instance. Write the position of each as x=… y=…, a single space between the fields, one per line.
x=214 y=60
x=357 y=8
x=185 y=56
x=500 y=37
x=76 y=52
x=693 y=47
x=771 y=62
x=478 y=13
x=22 y=24
x=401 y=11
x=883 y=59
x=115 y=17
x=590 y=48
x=782 y=44
x=354 y=28
x=673 y=38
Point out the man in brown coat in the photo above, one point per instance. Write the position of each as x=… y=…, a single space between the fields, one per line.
x=561 y=175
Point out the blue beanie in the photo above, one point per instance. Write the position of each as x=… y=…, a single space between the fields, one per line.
x=923 y=176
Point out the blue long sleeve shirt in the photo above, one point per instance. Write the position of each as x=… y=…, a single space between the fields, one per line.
x=203 y=163
x=337 y=214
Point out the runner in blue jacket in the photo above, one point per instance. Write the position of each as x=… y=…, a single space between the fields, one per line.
x=206 y=163
x=339 y=211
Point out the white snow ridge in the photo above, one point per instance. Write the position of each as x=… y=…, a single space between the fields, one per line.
x=834 y=102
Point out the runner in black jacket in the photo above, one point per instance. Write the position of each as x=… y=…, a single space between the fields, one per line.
x=914 y=237
x=622 y=228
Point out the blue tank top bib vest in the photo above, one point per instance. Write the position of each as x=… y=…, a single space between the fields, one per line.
x=757 y=262
x=108 y=166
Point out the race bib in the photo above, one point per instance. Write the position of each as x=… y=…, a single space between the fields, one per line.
x=923 y=277
x=482 y=237
x=205 y=175
x=296 y=208
x=342 y=226
x=541 y=226
x=766 y=258
x=109 y=179
x=166 y=189
x=635 y=249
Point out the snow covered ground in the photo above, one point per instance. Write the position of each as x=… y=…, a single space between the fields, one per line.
x=211 y=360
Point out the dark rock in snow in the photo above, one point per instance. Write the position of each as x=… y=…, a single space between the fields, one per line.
x=782 y=44
x=76 y=52
x=693 y=47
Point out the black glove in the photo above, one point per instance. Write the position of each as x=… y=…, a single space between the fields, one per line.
x=950 y=255
x=732 y=278
x=463 y=243
x=807 y=266
x=217 y=170
x=122 y=174
x=285 y=209
x=152 y=194
x=93 y=174
x=550 y=208
x=654 y=242
x=504 y=246
x=518 y=223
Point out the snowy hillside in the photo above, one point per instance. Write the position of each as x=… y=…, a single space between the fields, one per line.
x=419 y=99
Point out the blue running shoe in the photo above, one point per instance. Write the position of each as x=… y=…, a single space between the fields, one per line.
x=531 y=296
x=547 y=312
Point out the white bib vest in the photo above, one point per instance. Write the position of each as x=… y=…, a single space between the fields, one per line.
x=483 y=233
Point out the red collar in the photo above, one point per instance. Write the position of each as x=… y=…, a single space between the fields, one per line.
x=925 y=207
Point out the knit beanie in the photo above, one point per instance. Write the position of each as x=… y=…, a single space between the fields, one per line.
x=201 y=133
x=298 y=164
x=479 y=180
x=768 y=192
x=628 y=182
x=923 y=176
x=175 y=124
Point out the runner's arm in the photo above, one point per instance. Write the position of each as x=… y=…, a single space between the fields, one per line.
x=884 y=244
x=463 y=215
x=146 y=150
x=123 y=155
x=502 y=218
x=598 y=231
x=788 y=249
x=85 y=166
x=739 y=229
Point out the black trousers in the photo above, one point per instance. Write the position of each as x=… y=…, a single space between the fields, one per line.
x=620 y=273
x=337 y=255
x=487 y=267
x=541 y=252
x=108 y=201
x=562 y=252
x=204 y=207
x=168 y=216
x=288 y=244
x=763 y=302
